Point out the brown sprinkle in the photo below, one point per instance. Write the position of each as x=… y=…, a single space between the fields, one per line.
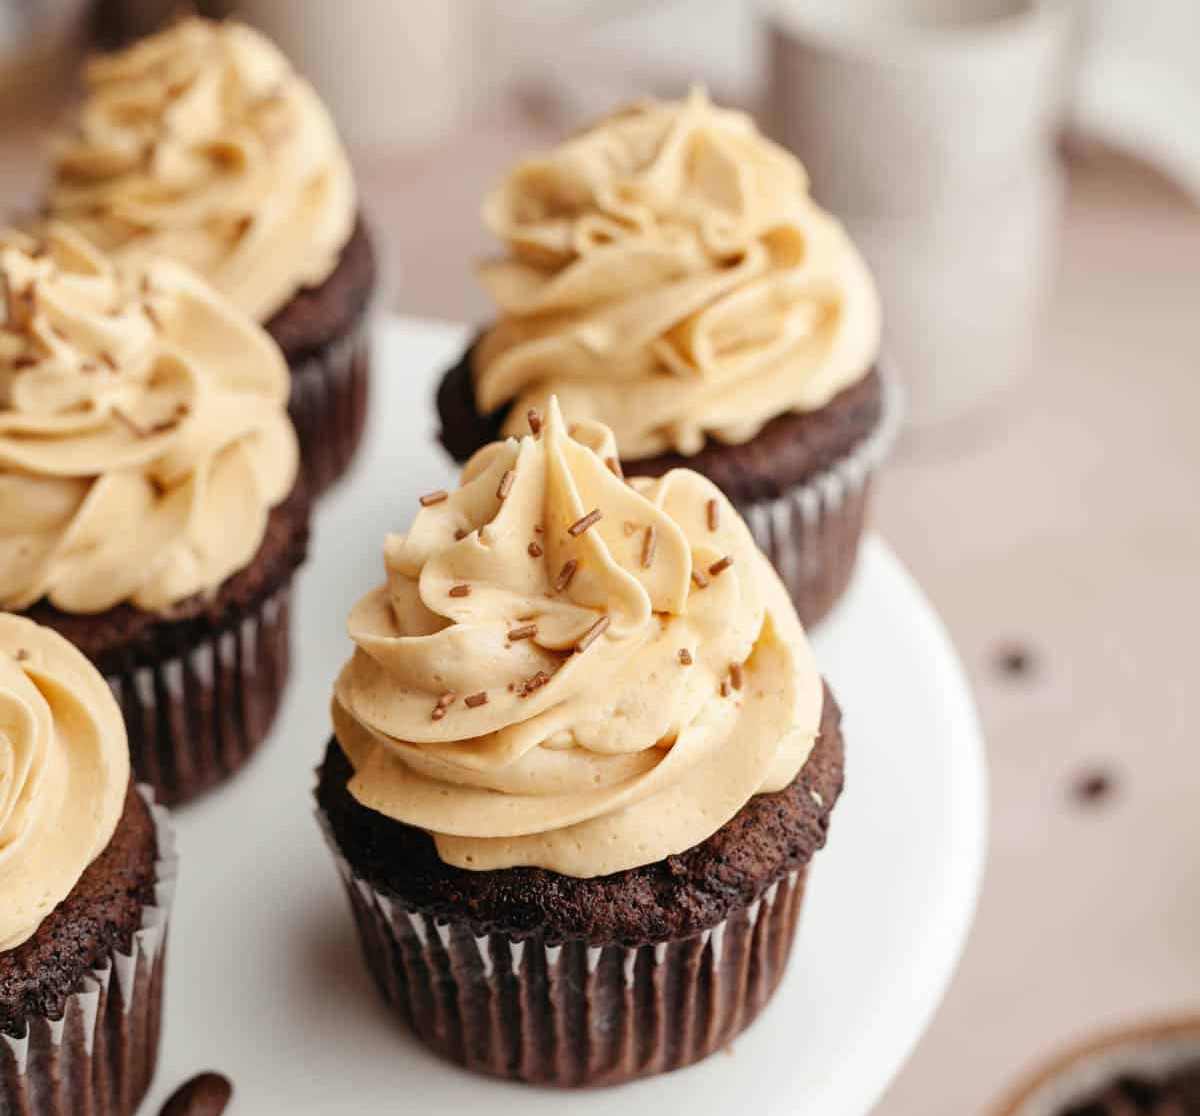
x=431 y=498
x=649 y=543
x=580 y=525
x=525 y=631
x=714 y=515
x=474 y=701
x=461 y=534
x=22 y=655
x=725 y=690
x=630 y=528
x=685 y=656
x=463 y=590
x=506 y=483
x=614 y=466
x=534 y=682
x=721 y=565
x=108 y=361
x=152 y=314
x=446 y=699
x=700 y=578
x=535 y=551
x=592 y=634
x=735 y=675
x=535 y=421
x=439 y=711
x=565 y=574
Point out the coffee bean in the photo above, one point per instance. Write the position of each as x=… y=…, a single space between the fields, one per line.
x=207 y=1094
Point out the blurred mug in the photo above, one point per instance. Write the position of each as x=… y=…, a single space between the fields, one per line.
x=394 y=75
x=906 y=105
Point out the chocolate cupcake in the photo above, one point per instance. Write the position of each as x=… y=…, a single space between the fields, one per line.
x=1148 y=1070
x=149 y=509
x=201 y=144
x=668 y=275
x=87 y=873
x=582 y=759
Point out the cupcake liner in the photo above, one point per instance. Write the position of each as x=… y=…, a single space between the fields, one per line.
x=573 y=1013
x=99 y=1058
x=197 y=713
x=1153 y=1050
x=812 y=532
x=328 y=405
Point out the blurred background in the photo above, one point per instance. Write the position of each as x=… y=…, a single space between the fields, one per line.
x=1024 y=178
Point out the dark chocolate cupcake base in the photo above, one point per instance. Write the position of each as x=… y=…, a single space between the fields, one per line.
x=536 y=977
x=90 y=1047
x=802 y=483
x=201 y=686
x=324 y=335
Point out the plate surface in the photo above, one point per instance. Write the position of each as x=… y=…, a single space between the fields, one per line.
x=266 y=981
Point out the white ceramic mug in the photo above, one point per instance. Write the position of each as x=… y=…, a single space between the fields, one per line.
x=901 y=106
x=965 y=291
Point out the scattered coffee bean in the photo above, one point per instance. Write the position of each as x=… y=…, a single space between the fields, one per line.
x=207 y=1094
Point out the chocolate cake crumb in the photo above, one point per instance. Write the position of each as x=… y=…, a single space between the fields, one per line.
x=1093 y=787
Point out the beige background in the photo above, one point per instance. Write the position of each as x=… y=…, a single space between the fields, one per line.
x=1066 y=521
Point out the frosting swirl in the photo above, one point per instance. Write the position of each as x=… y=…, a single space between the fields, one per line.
x=201 y=144
x=64 y=772
x=536 y=685
x=143 y=431
x=668 y=275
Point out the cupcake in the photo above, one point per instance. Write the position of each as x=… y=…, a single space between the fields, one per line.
x=582 y=759
x=1148 y=1070
x=87 y=871
x=201 y=144
x=149 y=509
x=668 y=275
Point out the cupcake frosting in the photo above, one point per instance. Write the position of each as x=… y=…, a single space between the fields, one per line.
x=64 y=772
x=570 y=671
x=143 y=431
x=668 y=275
x=201 y=144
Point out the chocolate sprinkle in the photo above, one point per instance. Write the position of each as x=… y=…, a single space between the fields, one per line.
x=431 y=498
x=685 y=656
x=700 y=579
x=506 y=483
x=565 y=574
x=592 y=634
x=207 y=1094
x=474 y=701
x=22 y=655
x=714 y=515
x=463 y=590
x=725 y=688
x=735 y=675
x=532 y=683
x=721 y=565
x=580 y=525
x=525 y=631
x=535 y=551
x=535 y=421
x=439 y=711
x=649 y=543
x=461 y=534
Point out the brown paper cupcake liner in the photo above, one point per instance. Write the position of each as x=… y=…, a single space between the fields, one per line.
x=812 y=532
x=99 y=1058
x=198 y=713
x=328 y=405
x=573 y=1013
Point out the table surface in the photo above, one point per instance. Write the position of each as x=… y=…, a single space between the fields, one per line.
x=1062 y=524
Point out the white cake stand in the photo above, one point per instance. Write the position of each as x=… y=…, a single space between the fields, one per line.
x=266 y=981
